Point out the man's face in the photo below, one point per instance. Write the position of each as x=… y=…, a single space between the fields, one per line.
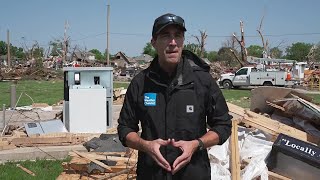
x=169 y=44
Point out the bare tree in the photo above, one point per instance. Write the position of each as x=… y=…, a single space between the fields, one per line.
x=231 y=42
x=242 y=44
x=237 y=58
x=264 y=43
x=201 y=41
x=29 y=52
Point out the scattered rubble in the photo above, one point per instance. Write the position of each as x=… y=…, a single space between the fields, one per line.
x=218 y=68
x=30 y=73
x=274 y=112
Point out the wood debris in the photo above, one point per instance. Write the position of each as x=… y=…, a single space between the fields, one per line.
x=20 y=139
x=270 y=126
x=117 y=165
x=26 y=170
x=286 y=104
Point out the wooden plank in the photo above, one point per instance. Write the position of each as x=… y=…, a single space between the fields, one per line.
x=83 y=167
x=104 y=157
x=236 y=109
x=39 y=105
x=112 y=131
x=70 y=176
x=279 y=127
x=29 y=141
x=271 y=126
x=235 y=156
x=26 y=170
x=67 y=134
x=18 y=134
x=121 y=154
x=275 y=176
x=125 y=171
x=275 y=106
x=93 y=160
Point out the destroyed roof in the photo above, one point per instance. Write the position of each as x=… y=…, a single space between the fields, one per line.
x=121 y=55
x=144 y=57
x=82 y=55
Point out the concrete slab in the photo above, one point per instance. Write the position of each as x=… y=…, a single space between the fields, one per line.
x=34 y=153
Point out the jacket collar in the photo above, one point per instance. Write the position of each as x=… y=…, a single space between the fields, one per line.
x=188 y=64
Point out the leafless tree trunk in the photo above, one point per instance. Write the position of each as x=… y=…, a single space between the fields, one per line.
x=231 y=43
x=242 y=44
x=265 y=44
x=201 y=42
x=234 y=54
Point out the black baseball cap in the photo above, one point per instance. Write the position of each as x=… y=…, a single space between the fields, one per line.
x=167 y=19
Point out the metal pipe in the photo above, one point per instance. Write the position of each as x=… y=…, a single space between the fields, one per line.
x=13 y=96
x=3 y=124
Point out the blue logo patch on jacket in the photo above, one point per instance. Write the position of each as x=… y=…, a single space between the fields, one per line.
x=150 y=99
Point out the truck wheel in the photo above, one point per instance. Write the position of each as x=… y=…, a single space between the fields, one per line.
x=227 y=84
x=267 y=83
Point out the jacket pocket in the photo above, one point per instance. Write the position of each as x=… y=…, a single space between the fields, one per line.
x=187 y=115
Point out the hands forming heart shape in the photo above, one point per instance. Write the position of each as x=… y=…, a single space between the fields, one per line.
x=187 y=147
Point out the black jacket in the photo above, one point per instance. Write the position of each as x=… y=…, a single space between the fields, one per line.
x=181 y=108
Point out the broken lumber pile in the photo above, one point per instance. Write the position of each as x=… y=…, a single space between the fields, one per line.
x=288 y=107
x=312 y=79
x=20 y=139
x=270 y=126
x=247 y=118
x=118 y=95
x=100 y=165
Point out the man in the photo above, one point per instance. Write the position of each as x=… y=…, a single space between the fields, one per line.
x=174 y=99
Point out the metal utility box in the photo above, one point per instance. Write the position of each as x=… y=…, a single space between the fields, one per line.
x=88 y=97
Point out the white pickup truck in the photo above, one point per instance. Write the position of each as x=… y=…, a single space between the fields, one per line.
x=250 y=76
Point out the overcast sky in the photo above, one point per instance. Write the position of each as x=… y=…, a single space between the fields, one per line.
x=286 y=21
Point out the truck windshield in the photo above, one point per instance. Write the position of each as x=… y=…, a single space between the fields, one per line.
x=242 y=72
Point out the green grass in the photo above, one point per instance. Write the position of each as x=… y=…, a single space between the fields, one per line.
x=238 y=97
x=242 y=97
x=51 y=92
x=40 y=92
x=316 y=98
x=120 y=84
x=43 y=169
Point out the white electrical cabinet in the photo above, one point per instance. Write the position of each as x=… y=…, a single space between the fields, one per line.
x=88 y=97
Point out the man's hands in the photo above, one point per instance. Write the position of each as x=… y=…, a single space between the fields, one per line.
x=187 y=147
x=153 y=149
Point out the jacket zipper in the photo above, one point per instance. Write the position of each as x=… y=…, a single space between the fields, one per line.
x=168 y=92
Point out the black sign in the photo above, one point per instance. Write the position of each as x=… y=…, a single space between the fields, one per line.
x=300 y=149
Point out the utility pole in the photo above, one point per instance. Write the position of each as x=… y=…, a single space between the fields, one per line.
x=243 y=49
x=108 y=21
x=65 y=44
x=8 y=49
